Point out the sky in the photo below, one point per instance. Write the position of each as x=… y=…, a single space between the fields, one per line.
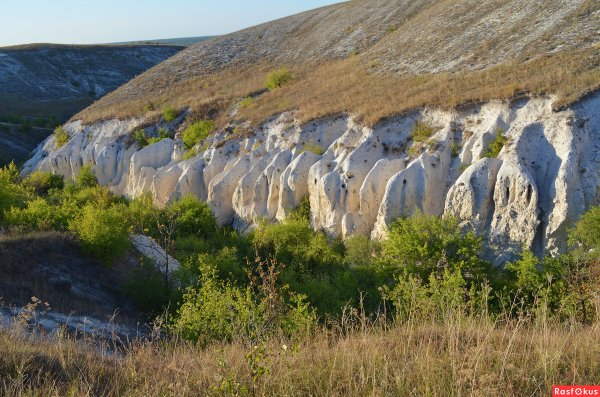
x=108 y=21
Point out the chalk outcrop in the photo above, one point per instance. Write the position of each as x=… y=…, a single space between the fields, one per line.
x=359 y=179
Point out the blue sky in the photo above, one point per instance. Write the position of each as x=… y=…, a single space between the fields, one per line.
x=105 y=21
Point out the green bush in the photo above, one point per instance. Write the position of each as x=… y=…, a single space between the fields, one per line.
x=227 y=263
x=313 y=147
x=163 y=133
x=302 y=211
x=442 y=298
x=140 y=138
x=421 y=131
x=12 y=193
x=361 y=251
x=146 y=287
x=42 y=182
x=170 y=114
x=278 y=78
x=218 y=310
x=587 y=230
x=425 y=244
x=61 y=137
x=494 y=148
x=197 y=132
x=86 y=177
x=193 y=217
x=526 y=276
x=103 y=233
x=38 y=215
x=190 y=153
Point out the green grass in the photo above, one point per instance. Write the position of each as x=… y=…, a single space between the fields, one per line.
x=421 y=131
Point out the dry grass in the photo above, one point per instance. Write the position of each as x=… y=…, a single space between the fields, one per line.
x=335 y=87
x=463 y=357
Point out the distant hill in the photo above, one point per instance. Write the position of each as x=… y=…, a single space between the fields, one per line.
x=59 y=80
x=182 y=41
x=42 y=84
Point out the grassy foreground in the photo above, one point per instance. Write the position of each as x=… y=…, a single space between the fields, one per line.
x=353 y=357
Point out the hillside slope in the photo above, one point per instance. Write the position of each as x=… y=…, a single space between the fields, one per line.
x=487 y=111
x=377 y=47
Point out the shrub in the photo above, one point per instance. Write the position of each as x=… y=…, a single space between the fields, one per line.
x=140 y=138
x=442 y=298
x=103 y=233
x=42 y=182
x=197 y=132
x=190 y=153
x=587 y=230
x=61 y=137
x=278 y=78
x=313 y=147
x=286 y=240
x=361 y=251
x=193 y=217
x=495 y=146
x=302 y=211
x=227 y=263
x=146 y=286
x=163 y=133
x=426 y=244
x=170 y=114
x=421 y=131
x=12 y=193
x=219 y=310
x=38 y=215
x=526 y=275
x=86 y=177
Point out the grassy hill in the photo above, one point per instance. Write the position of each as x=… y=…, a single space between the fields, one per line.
x=381 y=57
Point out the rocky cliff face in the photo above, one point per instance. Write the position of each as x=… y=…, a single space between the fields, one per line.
x=546 y=175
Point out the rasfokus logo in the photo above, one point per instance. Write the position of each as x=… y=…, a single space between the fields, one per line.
x=575 y=391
